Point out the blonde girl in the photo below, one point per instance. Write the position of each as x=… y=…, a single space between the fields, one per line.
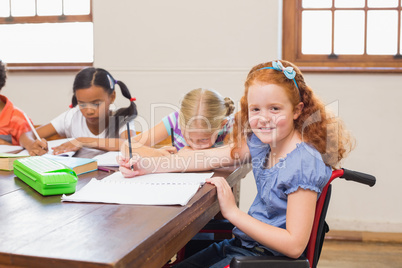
x=205 y=120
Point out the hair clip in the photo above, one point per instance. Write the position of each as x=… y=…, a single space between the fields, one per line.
x=71 y=106
x=289 y=72
x=111 y=81
x=133 y=99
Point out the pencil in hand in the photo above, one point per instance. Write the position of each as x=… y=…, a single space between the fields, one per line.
x=32 y=127
x=34 y=130
x=129 y=144
x=172 y=136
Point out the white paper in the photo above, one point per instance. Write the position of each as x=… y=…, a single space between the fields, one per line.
x=23 y=153
x=197 y=178
x=151 y=189
x=108 y=159
x=9 y=148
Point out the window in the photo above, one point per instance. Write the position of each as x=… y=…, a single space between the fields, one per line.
x=46 y=34
x=343 y=35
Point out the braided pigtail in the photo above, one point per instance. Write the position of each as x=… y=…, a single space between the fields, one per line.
x=123 y=115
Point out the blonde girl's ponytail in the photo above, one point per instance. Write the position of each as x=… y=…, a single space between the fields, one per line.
x=230 y=107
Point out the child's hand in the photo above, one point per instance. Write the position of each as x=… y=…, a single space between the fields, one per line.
x=125 y=165
x=39 y=147
x=226 y=198
x=70 y=146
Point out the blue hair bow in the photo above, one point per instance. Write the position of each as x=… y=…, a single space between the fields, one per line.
x=289 y=72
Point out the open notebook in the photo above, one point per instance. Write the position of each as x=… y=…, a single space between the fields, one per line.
x=150 y=189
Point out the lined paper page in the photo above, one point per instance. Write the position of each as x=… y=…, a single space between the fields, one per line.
x=151 y=189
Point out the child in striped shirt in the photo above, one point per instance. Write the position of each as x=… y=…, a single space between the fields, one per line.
x=205 y=120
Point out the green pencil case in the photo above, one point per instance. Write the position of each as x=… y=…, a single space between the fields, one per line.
x=46 y=176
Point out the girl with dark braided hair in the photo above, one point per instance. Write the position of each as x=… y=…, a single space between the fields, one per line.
x=91 y=122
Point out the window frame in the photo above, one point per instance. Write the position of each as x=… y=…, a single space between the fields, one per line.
x=291 y=47
x=59 y=66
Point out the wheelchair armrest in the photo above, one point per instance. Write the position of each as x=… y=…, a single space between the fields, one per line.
x=268 y=261
x=358 y=177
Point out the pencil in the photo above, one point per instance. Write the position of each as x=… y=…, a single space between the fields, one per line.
x=172 y=136
x=129 y=143
x=104 y=169
x=32 y=127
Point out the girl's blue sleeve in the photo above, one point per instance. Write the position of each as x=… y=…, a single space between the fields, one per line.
x=307 y=170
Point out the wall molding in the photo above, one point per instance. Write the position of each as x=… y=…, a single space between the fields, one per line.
x=364 y=226
x=359 y=236
x=178 y=70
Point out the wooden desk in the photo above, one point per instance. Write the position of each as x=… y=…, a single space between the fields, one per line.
x=37 y=231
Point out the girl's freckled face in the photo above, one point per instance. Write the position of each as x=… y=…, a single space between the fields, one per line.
x=270 y=112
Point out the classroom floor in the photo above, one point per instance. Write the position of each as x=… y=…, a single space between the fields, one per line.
x=352 y=254
x=360 y=250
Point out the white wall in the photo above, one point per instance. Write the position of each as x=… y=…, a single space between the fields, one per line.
x=161 y=49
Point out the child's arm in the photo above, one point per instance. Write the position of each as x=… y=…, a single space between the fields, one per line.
x=106 y=144
x=111 y=144
x=143 y=142
x=151 y=136
x=74 y=144
x=291 y=241
x=188 y=160
x=46 y=131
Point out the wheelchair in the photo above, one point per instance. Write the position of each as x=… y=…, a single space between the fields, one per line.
x=314 y=246
x=320 y=228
